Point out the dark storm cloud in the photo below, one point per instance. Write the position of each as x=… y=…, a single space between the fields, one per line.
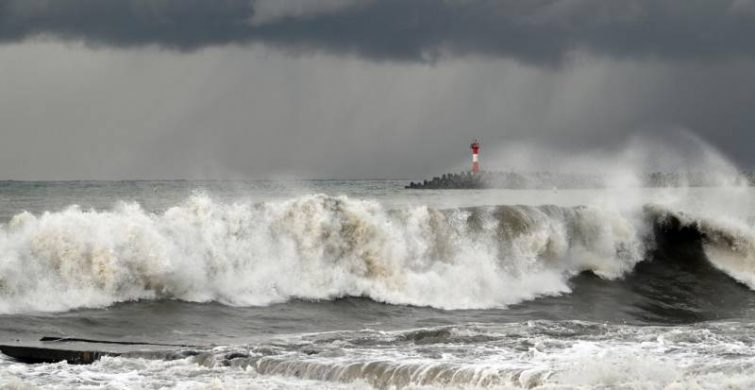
x=536 y=31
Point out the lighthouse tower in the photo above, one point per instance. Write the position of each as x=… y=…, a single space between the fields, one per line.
x=475 y=156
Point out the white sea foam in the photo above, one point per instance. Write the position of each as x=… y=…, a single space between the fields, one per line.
x=538 y=354
x=531 y=355
x=309 y=247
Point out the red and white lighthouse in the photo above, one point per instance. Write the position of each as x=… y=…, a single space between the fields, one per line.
x=475 y=156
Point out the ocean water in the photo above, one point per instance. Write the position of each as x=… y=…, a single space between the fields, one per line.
x=363 y=284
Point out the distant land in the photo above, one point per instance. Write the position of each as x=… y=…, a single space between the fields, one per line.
x=550 y=180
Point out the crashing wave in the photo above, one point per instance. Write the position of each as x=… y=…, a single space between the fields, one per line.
x=729 y=244
x=314 y=247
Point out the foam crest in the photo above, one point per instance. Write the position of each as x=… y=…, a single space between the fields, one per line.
x=313 y=247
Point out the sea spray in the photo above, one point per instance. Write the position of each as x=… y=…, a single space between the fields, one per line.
x=313 y=247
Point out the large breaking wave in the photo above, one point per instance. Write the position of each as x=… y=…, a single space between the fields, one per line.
x=320 y=247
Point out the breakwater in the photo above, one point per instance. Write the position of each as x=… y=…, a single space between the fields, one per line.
x=550 y=180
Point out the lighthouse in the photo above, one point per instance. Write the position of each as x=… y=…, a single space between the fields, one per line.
x=475 y=146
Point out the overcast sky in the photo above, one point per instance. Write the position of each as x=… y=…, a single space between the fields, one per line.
x=100 y=89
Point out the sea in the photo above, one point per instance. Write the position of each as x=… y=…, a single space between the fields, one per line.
x=362 y=284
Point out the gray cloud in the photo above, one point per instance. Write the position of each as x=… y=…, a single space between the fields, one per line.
x=268 y=11
x=534 y=31
x=614 y=71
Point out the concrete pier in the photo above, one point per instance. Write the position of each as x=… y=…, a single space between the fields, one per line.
x=555 y=180
x=86 y=351
x=40 y=354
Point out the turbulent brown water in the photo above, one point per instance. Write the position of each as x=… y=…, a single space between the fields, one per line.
x=363 y=284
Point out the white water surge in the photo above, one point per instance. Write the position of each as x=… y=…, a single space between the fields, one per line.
x=529 y=355
x=309 y=247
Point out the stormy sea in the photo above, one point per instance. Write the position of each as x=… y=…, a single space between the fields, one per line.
x=364 y=284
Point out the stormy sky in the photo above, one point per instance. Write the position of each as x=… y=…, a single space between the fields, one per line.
x=106 y=89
